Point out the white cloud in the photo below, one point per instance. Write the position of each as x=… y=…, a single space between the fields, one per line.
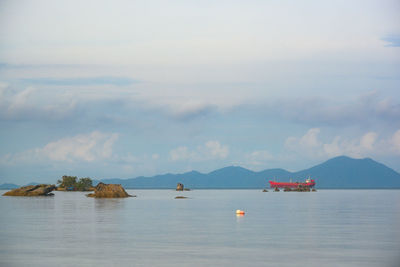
x=20 y=99
x=395 y=141
x=180 y=153
x=334 y=148
x=83 y=147
x=310 y=139
x=189 y=101
x=358 y=148
x=361 y=109
x=216 y=149
x=307 y=144
x=208 y=151
x=87 y=147
x=174 y=28
x=189 y=109
x=364 y=146
x=258 y=158
x=367 y=141
x=33 y=103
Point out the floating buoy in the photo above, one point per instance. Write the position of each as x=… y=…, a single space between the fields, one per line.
x=240 y=212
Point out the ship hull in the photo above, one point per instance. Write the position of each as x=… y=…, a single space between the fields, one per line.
x=274 y=184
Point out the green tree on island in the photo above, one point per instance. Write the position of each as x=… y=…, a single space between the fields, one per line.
x=84 y=184
x=67 y=181
x=70 y=182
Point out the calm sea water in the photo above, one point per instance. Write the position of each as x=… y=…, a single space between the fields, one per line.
x=324 y=228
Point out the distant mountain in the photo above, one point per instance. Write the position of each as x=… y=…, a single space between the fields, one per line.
x=339 y=172
x=8 y=186
x=13 y=186
x=33 y=183
x=345 y=172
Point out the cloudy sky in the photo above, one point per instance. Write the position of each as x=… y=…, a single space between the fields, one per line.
x=128 y=88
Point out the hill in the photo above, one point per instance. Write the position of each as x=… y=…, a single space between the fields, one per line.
x=345 y=172
x=339 y=172
x=8 y=186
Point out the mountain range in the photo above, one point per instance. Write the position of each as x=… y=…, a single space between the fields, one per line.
x=339 y=172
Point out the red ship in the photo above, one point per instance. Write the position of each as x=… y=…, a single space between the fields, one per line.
x=308 y=183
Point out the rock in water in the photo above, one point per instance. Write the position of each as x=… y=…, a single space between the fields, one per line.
x=179 y=187
x=32 y=190
x=109 y=191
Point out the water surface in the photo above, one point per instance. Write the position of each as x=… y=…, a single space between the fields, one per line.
x=324 y=228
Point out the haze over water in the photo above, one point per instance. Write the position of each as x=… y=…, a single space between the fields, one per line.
x=326 y=228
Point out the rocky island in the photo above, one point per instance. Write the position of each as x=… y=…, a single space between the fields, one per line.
x=179 y=187
x=32 y=191
x=109 y=191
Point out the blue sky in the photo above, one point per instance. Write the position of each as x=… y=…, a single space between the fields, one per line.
x=128 y=88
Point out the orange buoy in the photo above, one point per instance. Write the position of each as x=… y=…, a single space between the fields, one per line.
x=241 y=212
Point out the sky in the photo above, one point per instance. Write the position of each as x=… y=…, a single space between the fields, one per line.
x=120 y=89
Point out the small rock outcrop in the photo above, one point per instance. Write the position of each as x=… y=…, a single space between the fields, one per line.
x=109 y=191
x=32 y=191
x=179 y=187
x=298 y=189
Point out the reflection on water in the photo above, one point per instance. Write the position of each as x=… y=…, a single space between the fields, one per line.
x=327 y=228
x=110 y=204
x=32 y=203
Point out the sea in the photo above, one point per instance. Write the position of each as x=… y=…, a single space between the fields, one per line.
x=323 y=228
